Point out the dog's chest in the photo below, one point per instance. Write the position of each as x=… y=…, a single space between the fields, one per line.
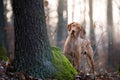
x=75 y=44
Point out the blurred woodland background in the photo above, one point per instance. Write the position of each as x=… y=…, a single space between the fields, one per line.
x=100 y=18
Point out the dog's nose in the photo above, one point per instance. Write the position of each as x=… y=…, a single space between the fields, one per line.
x=73 y=31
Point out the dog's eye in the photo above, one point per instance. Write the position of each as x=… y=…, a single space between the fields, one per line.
x=78 y=27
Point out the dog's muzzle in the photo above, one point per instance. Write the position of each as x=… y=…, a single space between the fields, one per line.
x=73 y=31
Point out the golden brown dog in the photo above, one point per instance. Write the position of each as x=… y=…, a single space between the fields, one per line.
x=72 y=45
x=75 y=45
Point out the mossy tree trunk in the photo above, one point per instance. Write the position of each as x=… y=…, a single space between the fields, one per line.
x=32 y=50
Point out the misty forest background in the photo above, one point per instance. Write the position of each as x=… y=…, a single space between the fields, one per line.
x=100 y=18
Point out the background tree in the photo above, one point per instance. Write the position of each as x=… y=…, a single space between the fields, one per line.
x=9 y=28
x=2 y=34
x=92 y=33
x=62 y=22
x=110 y=30
x=32 y=50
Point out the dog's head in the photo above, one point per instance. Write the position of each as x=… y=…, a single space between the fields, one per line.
x=75 y=29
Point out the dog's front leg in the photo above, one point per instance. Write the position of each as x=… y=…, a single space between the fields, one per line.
x=78 y=56
x=90 y=62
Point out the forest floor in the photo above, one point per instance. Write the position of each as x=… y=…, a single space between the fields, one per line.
x=6 y=73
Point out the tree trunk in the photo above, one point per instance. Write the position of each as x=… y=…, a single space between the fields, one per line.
x=2 y=34
x=9 y=29
x=62 y=23
x=110 y=30
x=92 y=33
x=32 y=50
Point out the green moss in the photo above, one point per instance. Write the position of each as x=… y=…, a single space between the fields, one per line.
x=3 y=53
x=65 y=71
x=118 y=69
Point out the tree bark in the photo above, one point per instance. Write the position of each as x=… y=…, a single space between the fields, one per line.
x=32 y=50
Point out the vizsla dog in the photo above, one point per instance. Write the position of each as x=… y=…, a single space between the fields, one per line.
x=75 y=45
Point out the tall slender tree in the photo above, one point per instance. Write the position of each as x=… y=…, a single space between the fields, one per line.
x=110 y=30
x=32 y=49
x=9 y=28
x=61 y=22
x=2 y=35
x=92 y=33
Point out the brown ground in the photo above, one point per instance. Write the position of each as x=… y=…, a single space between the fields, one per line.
x=6 y=73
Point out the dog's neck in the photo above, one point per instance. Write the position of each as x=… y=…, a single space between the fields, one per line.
x=80 y=40
x=76 y=40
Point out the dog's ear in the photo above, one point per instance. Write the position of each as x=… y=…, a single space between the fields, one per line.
x=82 y=32
x=69 y=26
